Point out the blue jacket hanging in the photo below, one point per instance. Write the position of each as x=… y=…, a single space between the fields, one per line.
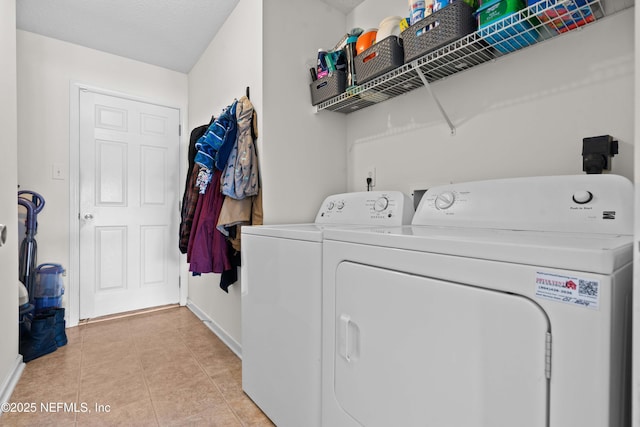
x=216 y=144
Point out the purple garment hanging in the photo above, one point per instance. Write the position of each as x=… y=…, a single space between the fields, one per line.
x=207 y=251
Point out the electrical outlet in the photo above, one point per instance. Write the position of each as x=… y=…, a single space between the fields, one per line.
x=57 y=171
x=371 y=173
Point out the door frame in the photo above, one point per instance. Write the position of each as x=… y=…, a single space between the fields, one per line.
x=73 y=272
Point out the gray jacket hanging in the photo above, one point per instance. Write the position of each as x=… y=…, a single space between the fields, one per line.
x=240 y=179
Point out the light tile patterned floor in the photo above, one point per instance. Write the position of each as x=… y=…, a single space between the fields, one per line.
x=164 y=368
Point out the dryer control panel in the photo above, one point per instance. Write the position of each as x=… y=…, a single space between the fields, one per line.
x=572 y=203
x=367 y=208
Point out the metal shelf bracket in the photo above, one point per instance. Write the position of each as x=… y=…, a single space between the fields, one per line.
x=426 y=84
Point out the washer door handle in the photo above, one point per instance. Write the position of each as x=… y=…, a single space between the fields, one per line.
x=349 y=344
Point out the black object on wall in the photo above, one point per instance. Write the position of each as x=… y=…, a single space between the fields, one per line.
x=597 y=152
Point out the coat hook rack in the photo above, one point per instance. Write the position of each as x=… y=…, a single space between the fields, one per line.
x=248 y=97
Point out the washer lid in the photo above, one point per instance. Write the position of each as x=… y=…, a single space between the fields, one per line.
x=597 y=253
x=310 y=232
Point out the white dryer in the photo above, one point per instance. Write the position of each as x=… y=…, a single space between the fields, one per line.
x=281 y=302
x=505 y=303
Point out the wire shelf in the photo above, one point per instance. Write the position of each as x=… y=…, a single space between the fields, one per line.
x=539 y=22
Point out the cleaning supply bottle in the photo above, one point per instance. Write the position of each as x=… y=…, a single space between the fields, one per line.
x=350 y=54
x=322 y=68
x=417 y=10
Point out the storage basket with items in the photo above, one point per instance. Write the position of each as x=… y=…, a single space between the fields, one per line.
x=563 y=15
x=441 y=38
x=362 y=56
x=453 y=21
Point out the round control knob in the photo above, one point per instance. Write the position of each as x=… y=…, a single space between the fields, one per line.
x=445 y=200
x=330 y=205
x=582 y=197
x=381 y=204
x=340 y=204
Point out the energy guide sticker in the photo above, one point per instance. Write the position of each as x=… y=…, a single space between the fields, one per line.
x=568 y=289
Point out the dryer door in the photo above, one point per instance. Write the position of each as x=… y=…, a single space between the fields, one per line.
x=413 y=351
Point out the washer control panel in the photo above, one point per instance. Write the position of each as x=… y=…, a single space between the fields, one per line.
x=445 y=200
x=572 y=203
x=367 y=208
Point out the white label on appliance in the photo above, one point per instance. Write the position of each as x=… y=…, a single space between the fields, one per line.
x=568 y=289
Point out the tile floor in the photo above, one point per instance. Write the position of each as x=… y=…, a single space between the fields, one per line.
x=164 y=368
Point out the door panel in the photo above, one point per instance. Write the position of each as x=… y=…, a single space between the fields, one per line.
x=129 y=189
x=154 y=168
x=416 y=351
x=111 y=256
x=111 y=173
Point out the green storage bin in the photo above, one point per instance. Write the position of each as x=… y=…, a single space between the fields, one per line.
x=495 y=10
x=500 y=26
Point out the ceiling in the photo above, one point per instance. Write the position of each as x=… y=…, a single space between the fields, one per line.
x=168 y=33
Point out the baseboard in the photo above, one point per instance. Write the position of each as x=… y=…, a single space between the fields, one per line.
x=215 y=328
x=6 y=389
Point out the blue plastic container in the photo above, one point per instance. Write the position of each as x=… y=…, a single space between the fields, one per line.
x=47 y=302
x=49 y=287
x=500 y=25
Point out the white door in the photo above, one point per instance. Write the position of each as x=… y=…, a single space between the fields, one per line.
x=414 y=351
x=129 y=185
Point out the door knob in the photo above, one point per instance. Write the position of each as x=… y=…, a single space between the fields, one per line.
x=88 y=216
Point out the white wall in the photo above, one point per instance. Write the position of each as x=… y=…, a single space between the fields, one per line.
x=301 y=153
x=229 y=64
x=10 y=361
x=304 y=152
x=46 y=67
x=524 y=114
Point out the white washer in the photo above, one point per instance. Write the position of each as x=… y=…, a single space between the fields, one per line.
x=281 y=303
x=505 y=303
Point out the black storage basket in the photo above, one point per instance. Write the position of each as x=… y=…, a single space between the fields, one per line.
x=327 y=87
x=380 y=58
x=450 y=23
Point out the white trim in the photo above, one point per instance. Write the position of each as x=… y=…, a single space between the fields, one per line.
x=73 y=281
x=73 y=290
x=10 y=383
x=215 y=328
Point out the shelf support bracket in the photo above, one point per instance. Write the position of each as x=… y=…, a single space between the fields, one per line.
x=415 y=66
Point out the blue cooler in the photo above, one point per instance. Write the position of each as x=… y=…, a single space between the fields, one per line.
x=49 y=287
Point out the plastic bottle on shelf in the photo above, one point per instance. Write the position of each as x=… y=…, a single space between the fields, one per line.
x=418 y=9
x=439 y=4
x=322 y=69
x=428 y=10
x=350 y=53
